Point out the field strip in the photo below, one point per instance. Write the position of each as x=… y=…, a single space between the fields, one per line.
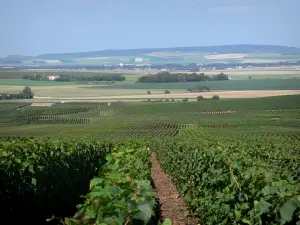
x=221 y=94
x=41 y=104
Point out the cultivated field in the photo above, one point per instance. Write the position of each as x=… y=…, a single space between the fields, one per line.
x=264 y=81
x=221 y=94
x=203 y=157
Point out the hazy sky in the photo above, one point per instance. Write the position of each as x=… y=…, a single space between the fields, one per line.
x=32 y=27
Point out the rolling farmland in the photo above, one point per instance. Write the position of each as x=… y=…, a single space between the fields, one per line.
x=100 y=127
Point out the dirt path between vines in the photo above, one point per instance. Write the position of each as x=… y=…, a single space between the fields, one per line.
x=172 y=205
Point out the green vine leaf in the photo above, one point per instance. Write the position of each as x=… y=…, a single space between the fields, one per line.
x=288 y=209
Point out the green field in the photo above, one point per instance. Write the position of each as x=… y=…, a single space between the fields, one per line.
x=18 y=74
x=72 y=118
x=258 y=84
x=32 y=83
x=233 y=161
x=266 y=84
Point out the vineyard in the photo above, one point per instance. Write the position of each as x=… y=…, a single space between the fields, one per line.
x=233 y=161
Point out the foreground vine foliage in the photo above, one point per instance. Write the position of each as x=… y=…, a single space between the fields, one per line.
x=235 y=182
x=121 y=194
x=42 y=177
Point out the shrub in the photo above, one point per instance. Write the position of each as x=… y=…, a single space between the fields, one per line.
x=167 y=92
x=215 y=97
x=185 y=100
x=200 y=98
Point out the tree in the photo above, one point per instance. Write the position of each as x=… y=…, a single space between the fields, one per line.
x=200 y=98
x=220 y=76
x=173 y=100
x=167 y=92
x=215 y=97
x=185 y=100
x=27 y=91
x=149 y=92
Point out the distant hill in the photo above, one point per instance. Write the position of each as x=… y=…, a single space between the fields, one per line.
x=224 y=49
x=202 y=54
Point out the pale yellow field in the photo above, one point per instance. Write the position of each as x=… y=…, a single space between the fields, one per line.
x=221 y=94
x=41 y=104
x=52 y=61
x=76 y=91
x=226 y=56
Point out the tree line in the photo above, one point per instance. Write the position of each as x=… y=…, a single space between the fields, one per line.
x=199 y=88
x=69 y=78
x=199 y=99
x=95 y=82
x=25 y=94
x=167 y=77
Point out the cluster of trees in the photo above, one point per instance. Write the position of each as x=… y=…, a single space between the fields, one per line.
x=200 y=98
x=95 y=82
x=165 y=92
x=69 y=78
x=199 y=88
x=108 y=77
x=25 y=94
x=38 y=77
x=167 y=77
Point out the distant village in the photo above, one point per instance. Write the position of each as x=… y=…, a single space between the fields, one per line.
x=192 y=67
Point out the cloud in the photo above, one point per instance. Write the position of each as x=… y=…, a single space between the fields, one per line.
x=230 y=9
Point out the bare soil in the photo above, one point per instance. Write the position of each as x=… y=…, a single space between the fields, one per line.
x=172 y=205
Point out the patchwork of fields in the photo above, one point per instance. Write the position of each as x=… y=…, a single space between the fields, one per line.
x=169 y=57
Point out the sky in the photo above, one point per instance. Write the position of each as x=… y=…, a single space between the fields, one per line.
x=33 y=27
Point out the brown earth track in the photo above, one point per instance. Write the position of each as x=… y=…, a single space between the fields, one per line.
x=172 y=205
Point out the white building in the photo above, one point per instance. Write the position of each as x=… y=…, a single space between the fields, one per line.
x=138 y=60
x=54 y=77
